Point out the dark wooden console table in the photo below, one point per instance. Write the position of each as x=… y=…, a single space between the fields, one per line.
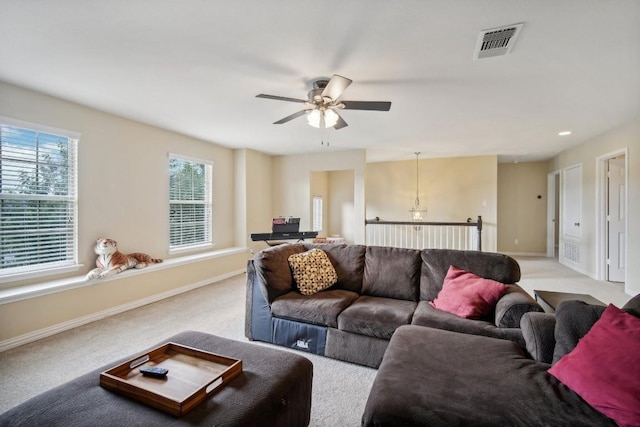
x=273 y=239
x=549 y=300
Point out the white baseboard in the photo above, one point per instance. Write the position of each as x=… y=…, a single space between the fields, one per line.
x=74 y=323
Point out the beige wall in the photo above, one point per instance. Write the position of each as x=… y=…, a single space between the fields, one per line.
x=291 y=188
x=341 y=206
x=319 y=182
x=452 y=189
x=522 y=208
x=122 y=194
x=626 y=137
x=253 y=183
x=34 y=315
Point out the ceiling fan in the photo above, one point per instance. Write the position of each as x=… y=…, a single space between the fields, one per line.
x=323 y=102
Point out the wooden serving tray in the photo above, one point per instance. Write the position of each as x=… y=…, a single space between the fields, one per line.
x=193 y=375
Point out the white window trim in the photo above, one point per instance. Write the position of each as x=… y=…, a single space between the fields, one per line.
x=208 y=200
x=71 y=265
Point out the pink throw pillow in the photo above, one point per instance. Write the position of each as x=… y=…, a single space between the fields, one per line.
x=468 y=295
x=604 y=368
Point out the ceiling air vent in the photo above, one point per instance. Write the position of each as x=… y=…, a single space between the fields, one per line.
x=496 y=41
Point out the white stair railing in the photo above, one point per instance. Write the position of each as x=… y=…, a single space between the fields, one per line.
x=425 y=235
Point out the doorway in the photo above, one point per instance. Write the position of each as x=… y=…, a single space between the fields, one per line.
x=613 y=217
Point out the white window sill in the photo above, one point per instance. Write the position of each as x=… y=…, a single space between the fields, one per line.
x=45 y=288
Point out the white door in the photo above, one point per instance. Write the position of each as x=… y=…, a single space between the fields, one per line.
x=572 y=201
x=616 y=221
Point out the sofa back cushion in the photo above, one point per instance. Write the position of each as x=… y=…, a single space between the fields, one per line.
x=604 y=367
x=272 y=268
x=392 y=273
x=575 y=318
x=348 y=261
x=436 y=263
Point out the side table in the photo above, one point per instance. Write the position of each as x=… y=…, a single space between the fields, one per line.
x=549 y=300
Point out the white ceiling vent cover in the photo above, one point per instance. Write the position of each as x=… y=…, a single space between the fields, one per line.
x=496 y=41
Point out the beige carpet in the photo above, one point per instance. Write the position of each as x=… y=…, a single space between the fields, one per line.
x=340 y=389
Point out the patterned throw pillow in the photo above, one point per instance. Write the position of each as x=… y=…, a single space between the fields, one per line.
x=312 y=271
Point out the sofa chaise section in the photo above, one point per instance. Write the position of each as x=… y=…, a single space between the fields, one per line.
x=434 y=377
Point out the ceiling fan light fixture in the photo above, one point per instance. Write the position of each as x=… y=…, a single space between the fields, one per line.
x=330 y=118
x=313 y=118
x=323 y=100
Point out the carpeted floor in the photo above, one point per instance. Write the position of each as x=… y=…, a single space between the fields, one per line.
x=340 y=389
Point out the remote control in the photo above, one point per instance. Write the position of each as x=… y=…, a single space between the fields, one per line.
x=154 y=371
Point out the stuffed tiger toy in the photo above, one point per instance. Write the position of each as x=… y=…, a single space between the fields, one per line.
x=110 y=261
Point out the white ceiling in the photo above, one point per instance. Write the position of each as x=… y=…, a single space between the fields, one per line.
x=195 y=66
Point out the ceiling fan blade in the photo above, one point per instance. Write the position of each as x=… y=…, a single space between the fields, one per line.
x=291 y=117
x=280 y=98
x=337 y=84
x=340 y=123
x=367 y=105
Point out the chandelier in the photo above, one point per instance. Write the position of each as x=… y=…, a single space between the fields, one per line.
x=417 y=214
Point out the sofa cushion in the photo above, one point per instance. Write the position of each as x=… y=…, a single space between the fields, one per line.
x=376 y=316
x=604 y=367
x=573 y=321
x=431 y=377
x=348 y=260
x=436 y=262
x=321 y=309
x=312 y=271
x=426 y=315
x=633 y=306
x=468 y=295
x=392 y=273
x=272 y=267
x=575 y=318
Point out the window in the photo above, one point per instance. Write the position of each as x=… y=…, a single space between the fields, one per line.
x=38 y=201
x=317 y=213
x=190 y=183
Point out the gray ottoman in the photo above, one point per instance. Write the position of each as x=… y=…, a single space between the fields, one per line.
x=274 y=389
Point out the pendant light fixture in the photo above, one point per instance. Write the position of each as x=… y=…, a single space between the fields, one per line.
x=417 y=214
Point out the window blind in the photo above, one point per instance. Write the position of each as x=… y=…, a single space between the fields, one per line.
x=317 y=213
x=190 y=207
x=38 y=200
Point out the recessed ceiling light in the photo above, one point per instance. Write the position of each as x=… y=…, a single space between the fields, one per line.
x=564 y=133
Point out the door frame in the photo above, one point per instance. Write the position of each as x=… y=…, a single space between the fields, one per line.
x=601 y=211
x=552 y=199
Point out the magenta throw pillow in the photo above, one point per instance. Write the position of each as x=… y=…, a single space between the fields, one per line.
x=468 y=295
x=604 y=368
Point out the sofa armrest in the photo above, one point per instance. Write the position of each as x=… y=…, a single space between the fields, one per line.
x=538 y=333
x=512 y=306
x=258 y=318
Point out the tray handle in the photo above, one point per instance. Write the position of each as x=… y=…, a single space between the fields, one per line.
x=213 y=385
x=139 y=361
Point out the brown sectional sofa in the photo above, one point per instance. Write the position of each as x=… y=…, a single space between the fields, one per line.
x=379 y=289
